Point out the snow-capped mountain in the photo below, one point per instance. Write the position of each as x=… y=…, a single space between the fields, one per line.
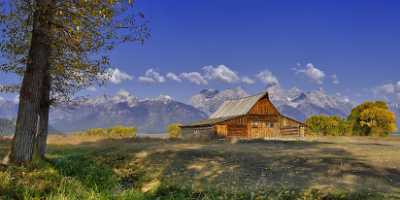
x=300 y=105
x=8 y=109
x=208 y=100
x=293 y=103
x=147 y=115
x=395 y=107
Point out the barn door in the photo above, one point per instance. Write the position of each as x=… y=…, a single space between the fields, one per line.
x=222 y=130
x=258 y=129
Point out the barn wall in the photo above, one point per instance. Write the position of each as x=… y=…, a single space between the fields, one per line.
x=250 y=126
x=221 y=130
x=237 y=131
x=207 y=132
x=290 y=128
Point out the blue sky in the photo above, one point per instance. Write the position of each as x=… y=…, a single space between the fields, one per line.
x=294 y=43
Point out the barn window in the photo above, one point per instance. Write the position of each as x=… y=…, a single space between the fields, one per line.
x=256 y=123
x=270 y=125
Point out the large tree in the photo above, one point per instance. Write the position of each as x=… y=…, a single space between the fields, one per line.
x=76 y=36
x=372 y=118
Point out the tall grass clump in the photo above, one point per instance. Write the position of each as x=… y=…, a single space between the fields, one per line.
x=88 y=172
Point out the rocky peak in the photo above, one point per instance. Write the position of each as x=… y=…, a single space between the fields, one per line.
x=165 y=99
x=209 y=93
x=208 y=100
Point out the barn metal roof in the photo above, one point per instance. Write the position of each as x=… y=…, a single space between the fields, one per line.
x=231 y=109
x=238 y=107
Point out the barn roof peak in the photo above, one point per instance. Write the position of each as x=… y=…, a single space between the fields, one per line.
x=262 y=94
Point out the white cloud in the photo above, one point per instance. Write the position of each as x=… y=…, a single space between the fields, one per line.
x=144 y=79
x=16 y=99
x=173 y=77
x=398 y=86
x=116 y=76
x=312 y=73
x=152 y=76
x=123 y=92
x=335 y=79
x=268 y=78
x=248 y=80
x=91 y=89
x=386 y=89
x=2 y=98
x=221 y=73
x=194 y=77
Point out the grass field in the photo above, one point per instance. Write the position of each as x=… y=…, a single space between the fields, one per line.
x=317 y=168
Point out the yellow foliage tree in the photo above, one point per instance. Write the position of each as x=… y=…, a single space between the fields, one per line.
x=372 y=118
x=379 y=121
x=174 y=131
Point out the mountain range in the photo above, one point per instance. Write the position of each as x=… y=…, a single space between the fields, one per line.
x=153 y=115
x=147 y=115
x=293 y=103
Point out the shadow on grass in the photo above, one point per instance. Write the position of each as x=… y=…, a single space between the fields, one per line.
x=147 y=164
x=298 y=164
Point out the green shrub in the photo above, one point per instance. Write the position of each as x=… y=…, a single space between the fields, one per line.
x=116 y=131
x=174 y=131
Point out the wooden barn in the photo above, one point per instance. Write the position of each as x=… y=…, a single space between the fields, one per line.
x=250 y=117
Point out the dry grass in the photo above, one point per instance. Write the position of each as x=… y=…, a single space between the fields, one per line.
x=326 y=163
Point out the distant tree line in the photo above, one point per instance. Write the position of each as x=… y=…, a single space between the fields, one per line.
x=366 y=119
x=7 y=127
x=118 y=131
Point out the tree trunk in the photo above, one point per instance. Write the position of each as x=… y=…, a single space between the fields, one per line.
x=31 y=90
x=43 y=129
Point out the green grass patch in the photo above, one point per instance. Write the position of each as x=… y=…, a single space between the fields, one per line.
x=119 y=169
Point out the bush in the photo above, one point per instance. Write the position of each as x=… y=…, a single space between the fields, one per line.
x=327 y=125
x=174 y=131
x=116 y=131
